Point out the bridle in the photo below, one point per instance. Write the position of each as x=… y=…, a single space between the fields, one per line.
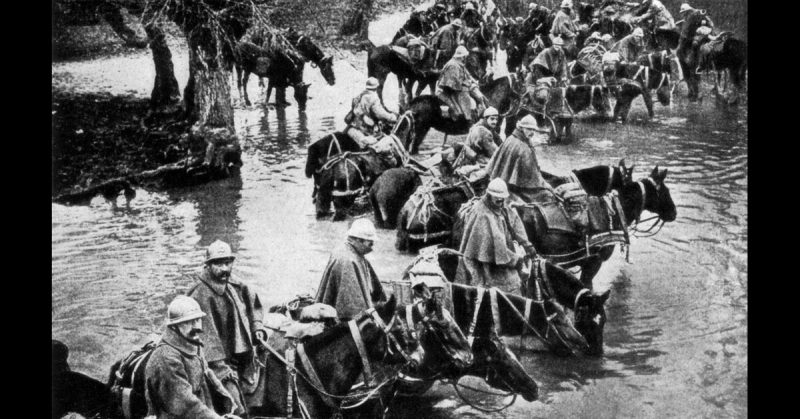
x=425 y=321
x=657 y=217
x=312 y=378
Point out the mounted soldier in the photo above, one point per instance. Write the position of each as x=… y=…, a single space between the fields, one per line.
x=363 y=120
x=630 y=47
x=655 y=15
x=551 y=62
x=456 y=86
x=447 y=37
x=686 y=11
x=565 y=28
x=481 y=143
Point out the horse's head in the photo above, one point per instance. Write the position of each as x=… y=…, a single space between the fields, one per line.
x=590 y=319
x=326 y=68
x=501 y=369
x=301 y=94
x=658 y=199
x=399 y=345
x=625 y=173
x=447 y=350
x=567 y=340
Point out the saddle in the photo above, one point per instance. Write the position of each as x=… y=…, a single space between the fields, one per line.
x=565 y=212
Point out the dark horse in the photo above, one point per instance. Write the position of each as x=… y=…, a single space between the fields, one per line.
x=427 y=217
x=553 y=282
x=568 y=249
x=323 y=150
x=725 y=55
x=280 y=68
x=596 y=180
x=76 y=392
x=425 y=111
x=419 y=23
x=314 y=54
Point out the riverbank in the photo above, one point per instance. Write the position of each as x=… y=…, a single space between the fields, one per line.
x=101 y=89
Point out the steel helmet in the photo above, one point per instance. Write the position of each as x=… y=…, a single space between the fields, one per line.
x=685 y=8
x=497 y=188
x=469 y=6
x=456 y=22
x=595 y=35
x=558 y=41
x=607 y=37
x=363 y=228
x=372 y=83
x=182 y=309
x=219 y=250
x=461 y=51
x=566 y=4
x=531 y=6
x=638 y=32
x=490 y=111
x=415 y=42
x=528 y=122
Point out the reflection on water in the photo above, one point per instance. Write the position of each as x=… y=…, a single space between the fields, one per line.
x=676 y=335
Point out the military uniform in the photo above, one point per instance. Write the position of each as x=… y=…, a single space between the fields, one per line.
x=178 y=383
x=367 y=111
x=565 y=28
x=661 y=17
x=349 y=284
x=629 y=48
x=455 y=87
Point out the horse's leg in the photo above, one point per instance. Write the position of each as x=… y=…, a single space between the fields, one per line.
x=648 y=102
x=269 y=91
x=244 y=86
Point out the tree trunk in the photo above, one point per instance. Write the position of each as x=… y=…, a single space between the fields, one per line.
x=210 y=110
x=359 y=12
x=165 y=88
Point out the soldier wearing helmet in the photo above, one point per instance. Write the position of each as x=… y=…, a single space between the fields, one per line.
x=482 y=140
x=494 y=242
x=349 y=283
x=470 y=15
x=455 y=87
x=550 y=62
x=234 y=322
x=515 y=162
x=367 y=110
x=655 y=11
x=564 y=27
x=631 y=46
x=178 y=383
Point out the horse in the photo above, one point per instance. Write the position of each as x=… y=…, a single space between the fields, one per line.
x=323 y=150
x=569 y=249
x=629 y=80
x=384 y=59
x=550 y=107
x=425 y=112
x=334 y=354
x=480 y=42
x=588 y=307
x=725 y=54
x=596 y=180
x=75 y=392
x=389 y=192
x=312 y=53
x=427 y=217
x=484 y=312
x=280 y=68
x=419 y=23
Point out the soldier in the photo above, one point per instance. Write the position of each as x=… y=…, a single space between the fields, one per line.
x=349 y=283
x=654 y=10
x=178 y=382
x=515 y=162
x=494 y=242
x=367 y=110
x=563 y=26
x=234 y=322
x=456 y=86
x=631 y=46
x=551 y=62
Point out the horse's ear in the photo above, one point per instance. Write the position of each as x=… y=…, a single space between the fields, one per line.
x=604 y=296
x=662 y=175
x=387 y=311
x=654 y=173
x=621 y=164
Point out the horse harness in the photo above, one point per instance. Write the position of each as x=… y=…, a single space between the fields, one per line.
x=426 y=206
x=347 y=161
x=312 y=378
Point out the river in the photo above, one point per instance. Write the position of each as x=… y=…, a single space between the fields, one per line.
x=676 y=335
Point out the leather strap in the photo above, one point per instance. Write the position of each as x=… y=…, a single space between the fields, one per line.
x=478 y=301
x=311 y=372
x=410 y=320
x=290 y=382
x=362 y=351
x=495 y=310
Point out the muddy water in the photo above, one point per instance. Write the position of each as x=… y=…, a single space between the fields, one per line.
x=676 y=337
